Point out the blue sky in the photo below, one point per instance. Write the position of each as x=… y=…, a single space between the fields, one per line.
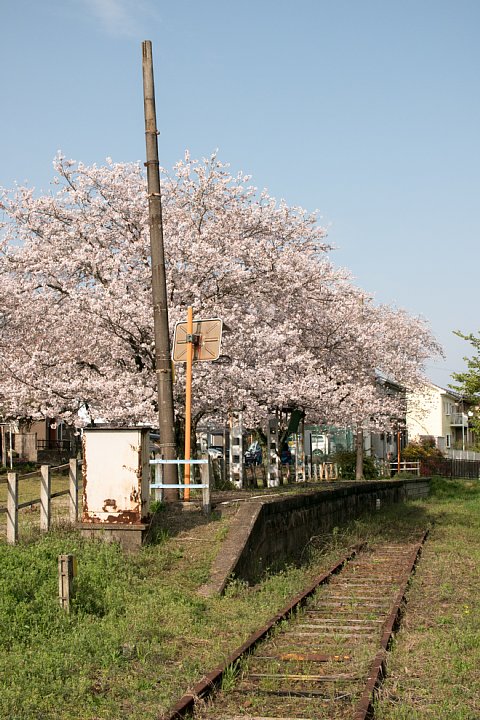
x=366 y=110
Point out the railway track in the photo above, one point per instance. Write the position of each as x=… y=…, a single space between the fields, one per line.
x=323 y=655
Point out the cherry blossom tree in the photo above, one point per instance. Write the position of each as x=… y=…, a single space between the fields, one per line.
x=76 y=330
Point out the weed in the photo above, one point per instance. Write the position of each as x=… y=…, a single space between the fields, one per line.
x=157 y=506
x=236 y=588
x=231 y=675
x=158 y=535
x=221 y=533
x=199 y=575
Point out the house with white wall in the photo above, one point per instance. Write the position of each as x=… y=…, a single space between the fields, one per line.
x=441 y=414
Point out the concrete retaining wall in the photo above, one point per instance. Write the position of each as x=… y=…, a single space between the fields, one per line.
x=271 y=531
x=417 y=489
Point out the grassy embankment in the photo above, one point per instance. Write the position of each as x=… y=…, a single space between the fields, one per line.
x=139 y=635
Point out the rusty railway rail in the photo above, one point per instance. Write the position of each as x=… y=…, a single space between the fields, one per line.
x=328 y=660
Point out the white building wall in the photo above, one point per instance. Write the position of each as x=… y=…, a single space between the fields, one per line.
x=425 y=412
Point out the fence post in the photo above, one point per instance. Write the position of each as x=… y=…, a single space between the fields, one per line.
x=73 y=490
x=206 y=474
x=12 y=508
x=300 y=455
x=65 y=580
x=158 y=478
x=45 y=498
x=236 y=448
x=273 y=470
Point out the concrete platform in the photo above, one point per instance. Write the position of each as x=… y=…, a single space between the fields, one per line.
x=275 y=526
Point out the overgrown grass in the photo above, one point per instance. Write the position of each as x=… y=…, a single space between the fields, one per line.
x=434 y=667
x=139 y=634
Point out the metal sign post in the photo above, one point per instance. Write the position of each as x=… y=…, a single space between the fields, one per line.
x=206 y=336
x=188 y=399
x=194 y=341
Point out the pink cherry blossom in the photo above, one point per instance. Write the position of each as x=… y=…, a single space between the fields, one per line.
x=76 y=327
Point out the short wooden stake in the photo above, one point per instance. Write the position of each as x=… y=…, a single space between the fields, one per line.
x=73 y=490
x=66 y=565
x=12 y=508
x=45 y=498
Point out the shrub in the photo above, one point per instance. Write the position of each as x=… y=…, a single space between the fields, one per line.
x=346 y=461
x=423 y=450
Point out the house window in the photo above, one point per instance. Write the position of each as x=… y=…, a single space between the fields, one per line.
x=448 y=443
x=448 y=408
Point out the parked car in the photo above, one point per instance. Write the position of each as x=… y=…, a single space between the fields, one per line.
x=253 y=455
x=216 y=453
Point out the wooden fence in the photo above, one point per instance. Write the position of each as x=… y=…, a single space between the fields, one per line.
x=45 y=499
x=450 y=468
x=321 y=471
x=407 y=466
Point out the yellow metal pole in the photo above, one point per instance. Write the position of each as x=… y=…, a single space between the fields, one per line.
x=188 y=400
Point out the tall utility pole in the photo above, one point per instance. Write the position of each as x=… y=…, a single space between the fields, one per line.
x=163 y=363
